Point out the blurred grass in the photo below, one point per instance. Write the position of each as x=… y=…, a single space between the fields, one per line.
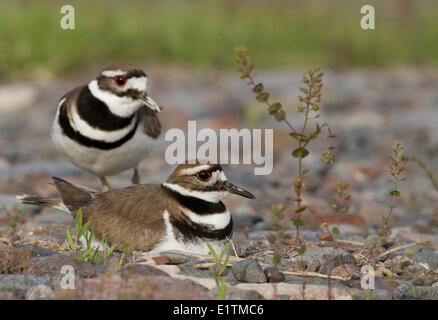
x=205 y=33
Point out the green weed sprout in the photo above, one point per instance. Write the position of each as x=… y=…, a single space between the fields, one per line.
x=90 y=254
x=396 y=168
x=301 y=137
x=125 y=250
x=219 y=268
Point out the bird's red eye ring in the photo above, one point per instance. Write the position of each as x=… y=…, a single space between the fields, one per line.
x=203 y=175
x=120 y=80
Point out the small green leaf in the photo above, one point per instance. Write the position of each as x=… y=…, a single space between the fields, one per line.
x=315 y=134
x=224 y=266
x=83 y=231
x=258 y=88
x=111 y=249
x=90 y=238
x=273 y=108
x=298 y=136
x=300 y=153
x=222 y=290
x=223 y=251
x=70 y=241
x=335 y=231
x=302 y=250
x=96 y=258
x=78 y=221
x=305 y=171
x=213 y=253
x=300 y=209
x=395 y=193
x=280 y=115
x=85 y=254
x=298 y=223
x=104 y=239
x=262 y=97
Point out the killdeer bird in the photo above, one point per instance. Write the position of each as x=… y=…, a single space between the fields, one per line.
x=179 y=214
x=108 y=125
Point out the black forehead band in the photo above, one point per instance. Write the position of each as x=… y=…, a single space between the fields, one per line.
x=135 y=74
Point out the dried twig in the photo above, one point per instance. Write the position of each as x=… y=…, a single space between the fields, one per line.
x=424 y=243
x=314 y=274
x=234 y=249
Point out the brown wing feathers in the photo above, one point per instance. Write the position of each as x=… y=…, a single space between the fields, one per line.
x=151 y=123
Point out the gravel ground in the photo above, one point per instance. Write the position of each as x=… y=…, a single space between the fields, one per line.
x=367 y=110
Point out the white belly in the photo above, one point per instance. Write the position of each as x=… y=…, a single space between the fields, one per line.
x=104 y=162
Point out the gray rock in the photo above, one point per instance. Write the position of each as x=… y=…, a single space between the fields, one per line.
x=143 y=270
x=51 y=265
x=171 y=258
x=377 y=294
x=234 y=293
x=19 y=284
x=408 y=291
x=428 y=259
x=39 y=292
x=230 y=278
x=248 y=271
x=37 y=250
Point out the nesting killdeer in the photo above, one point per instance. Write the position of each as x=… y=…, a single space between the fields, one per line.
x=107 y=126
x=179 y=214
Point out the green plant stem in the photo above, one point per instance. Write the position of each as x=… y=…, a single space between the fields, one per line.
x=300 y=164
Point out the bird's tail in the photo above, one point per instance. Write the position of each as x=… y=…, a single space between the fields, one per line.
x=55 y=203
x=72 y=197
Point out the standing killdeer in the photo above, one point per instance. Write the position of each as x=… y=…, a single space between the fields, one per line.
x=107 y=126
x=177 y=215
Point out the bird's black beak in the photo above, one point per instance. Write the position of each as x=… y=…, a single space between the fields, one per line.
x=237 y=190
x=149 y=102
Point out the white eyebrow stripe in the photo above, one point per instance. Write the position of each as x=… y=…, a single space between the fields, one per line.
x=191 y=171
x=113 y=73
x=138 y=83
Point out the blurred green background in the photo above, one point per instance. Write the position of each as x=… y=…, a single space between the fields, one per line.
x=205 y=33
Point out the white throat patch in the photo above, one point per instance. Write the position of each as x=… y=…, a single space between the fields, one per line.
x=121 y=106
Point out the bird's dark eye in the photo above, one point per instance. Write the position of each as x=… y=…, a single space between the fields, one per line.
x=120 y=80
x=203 y=175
